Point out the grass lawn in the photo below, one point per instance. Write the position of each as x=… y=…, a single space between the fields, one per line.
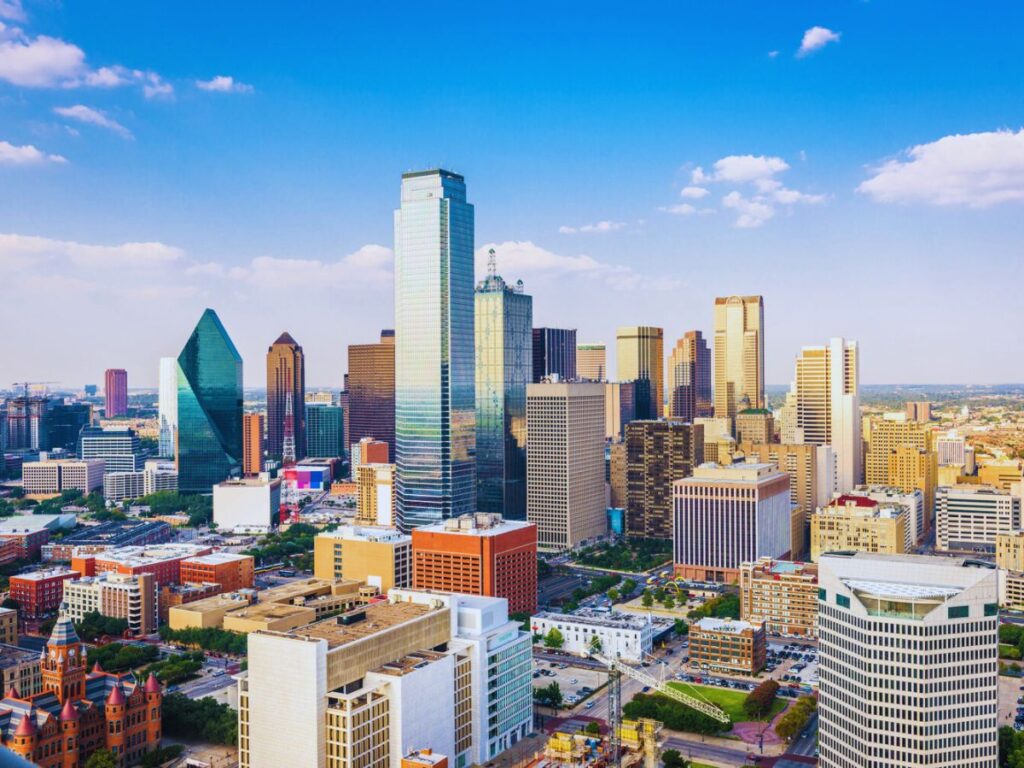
x=1009 y=652
x=731 y=701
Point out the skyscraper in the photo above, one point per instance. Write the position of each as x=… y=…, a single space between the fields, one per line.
x=209 y=407
x=591 y=362
x=286 y=381
x=739 y=354
x=253 y=443
x=435 y=387
x=168 y=406
x=827 y=404
x=371 y=391
x=504 y=366
x=640 y=356
x=657 y=454
x=115 y=390
x=554 y=352
x=325 y=431
x=689 y=378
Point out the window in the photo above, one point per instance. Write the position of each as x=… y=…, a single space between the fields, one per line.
x=842 y=601
x=991 y=609
x=957 y=611
x=822 y=594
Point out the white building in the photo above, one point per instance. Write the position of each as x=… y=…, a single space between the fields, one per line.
x=118 y=486
x=968 y=517
x=951 y=449
x=122 y=596
x=618 y=636
x=913 y=501
x=908 y=668
x=248 y=501
x=51 y=477
x=168 y=406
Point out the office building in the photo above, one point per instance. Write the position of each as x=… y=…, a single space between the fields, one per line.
x=118 y=448
x=367 y=451
x=565 y=463
x=423 y=668
x=951 y=449
x=617 y=478
x=912 y=501
x=478 y=554
x=286 y=400
x=163 y=561
x=620 y=407
x=859 y=524
x=8 y=626
x=657 y=454
x=209 y=407
x=435 y=385
x=689 y=378
x=755 y=425
x=249 y=501
x=920 y=410
x=48 y=478
x=232 y=571
x=504 y=366
x=739 y=354
x=780 y=594
x=112 y=534
x=1001 y=474
x=827 y=404
x=727 y=645
x=39 y=593
x=908 y=662
x=886 y=464
x=969 y=518
x=554 y=354
x=378 y=557
x=591 y=362
x=727 y=515
x=371 y=392
x=115 y=392
x=325 y=430
x=121 y=486
x=167 y=409
x=63 y=423
x=1009 y=551
x=640 y=357
x=253 y=444
x=26 y=422
x=615 y=636
x=20 y=669
x=116 y=596
x=375 y=494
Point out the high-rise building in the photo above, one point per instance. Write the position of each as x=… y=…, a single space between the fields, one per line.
x=118 y=448
x=286 y=400
x=860 y=524
x=375 y=494
x=919 y=410
x=370 y=384
x=168 y=407
x=689 y=378
x=900 y=454
x=376 y=556
x=565 y=463
x=115 y=392
x=435 y=383
x=504 y=366
x=951 y=449
x=640 y=357
x=26 y=422
x=209 y=407
x=728 y=515
x=253 y=445
x=617 y=487
x=63 y=423
x=911 y=500
x=755 y=425
x=620 y=407
x=782 y=594
x=739 y=354
x=479 y=554
x=657 y=454
x=969 y=518
x=325 y=431
x=554 y=353
x=908 y=667
x=591 y=364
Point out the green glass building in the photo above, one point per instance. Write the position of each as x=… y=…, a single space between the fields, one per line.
x=209 y=407
x=325 y=431
x=504 y=366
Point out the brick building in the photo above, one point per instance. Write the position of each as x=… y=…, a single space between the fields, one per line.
x=40 y=592
x=231 y=571
x=164 y=562
x=725 y=645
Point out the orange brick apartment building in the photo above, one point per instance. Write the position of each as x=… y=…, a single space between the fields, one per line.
x=232 y=572
x=479 y=554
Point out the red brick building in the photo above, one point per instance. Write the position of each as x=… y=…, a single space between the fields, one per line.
x=29 y=543
x=232 y=572
x=479 y=554
x=40 y=592
x=163 y=561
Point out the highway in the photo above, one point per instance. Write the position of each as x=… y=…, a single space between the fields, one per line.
x=205 y=686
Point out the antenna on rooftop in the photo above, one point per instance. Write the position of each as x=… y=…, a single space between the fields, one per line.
x=492 y=263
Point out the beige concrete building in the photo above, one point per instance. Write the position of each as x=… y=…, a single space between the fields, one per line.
x=782 y=595
x=859 y=524
x=640 y=356
x=1009 y=550
x=20 y=669
x=739 y=354
x=48 y=478
x=970 y=518
x=116 y=595
x=591 y=363
x=755 y=425
x=375 y=494
x=565 y=463
x=8 y=626
x=889 y=462
x=1002 y=474
x=379 y=557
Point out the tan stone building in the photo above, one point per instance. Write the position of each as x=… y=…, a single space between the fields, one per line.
x=781 y=594
x=1010 y=550
x=889 y=462
x=859 y=524
x=375 y=494
x=8 y=626
x=617 y=474
x=640 y=356
x=755 y=425
x=1001 y=474
x=379 y=557
x=738 y=354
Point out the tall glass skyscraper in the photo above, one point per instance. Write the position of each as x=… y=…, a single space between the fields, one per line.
x=504 y=366
x=554 y=351
x=168 y=407
x=325 y=431
x=435 y=398
x=209 y=407
x=286 y=380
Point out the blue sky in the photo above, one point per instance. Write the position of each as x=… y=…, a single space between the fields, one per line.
x=629 y=162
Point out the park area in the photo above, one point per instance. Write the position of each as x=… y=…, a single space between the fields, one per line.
x=730 y=701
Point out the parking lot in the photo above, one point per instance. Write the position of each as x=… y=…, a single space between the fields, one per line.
x=1011 y=708
x=570 y=679
x=794 y=666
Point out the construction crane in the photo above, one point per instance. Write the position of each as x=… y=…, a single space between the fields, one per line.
x=27 y=384
x=616 y=669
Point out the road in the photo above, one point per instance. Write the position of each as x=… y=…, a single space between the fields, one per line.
x=206 y=686
x=698 y=750
x=807 y=741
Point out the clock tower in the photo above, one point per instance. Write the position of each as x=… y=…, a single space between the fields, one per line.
x=63 y=663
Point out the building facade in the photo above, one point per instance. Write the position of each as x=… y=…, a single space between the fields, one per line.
x=167 y=408
x=554 y=353
x=859 y=524
x=246 y=501
x=591 y=362
x=286 y=400
x=375 y=494
x=378 y=557
x=115 y=393
x=117 y=596
x=619 y=636
x=435 y=384
x=48 y=478
x=371 y=392
x=253 y=443
x=739 y=354
x=970 y=518
x=727 y=645
x=689 y=378
x=657 y=454
x=640 y=357
x=118 y=448
x=782 y=595
x=899 y=453
x=39 y=593
x=232 y=571
x=325 y=430
x=504 y=366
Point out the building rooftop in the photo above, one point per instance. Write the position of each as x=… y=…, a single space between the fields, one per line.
x=410 y=663
x=45 y=573
x=368 y=533
x=112 y=531
x=610 y=621
x=218 y=558
x=348 y=628
x=731 y=626
x=741 y=472
x=133 y=557
x=975 y=490
x=33 y=523
x=861 y=506
x=269 y=611
x=10 y=655
x=248 y=482
x=479 y=524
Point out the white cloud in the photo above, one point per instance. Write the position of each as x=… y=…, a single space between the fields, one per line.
x=84 y=114
x=153 y=85
x=40 y=62
x=773 y=54
x=679 y=209
x=740 y=168
x=371 y=264
x=693 y=193
x=600 y=227
x=752 y=212
x=223 y=84
x=12 y=10
x=26 y=154
x=18 y=248
x=815 y=38
x=976 y=170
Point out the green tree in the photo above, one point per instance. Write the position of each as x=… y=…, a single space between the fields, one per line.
x=593 y=728
x=792 y=723
x=595 y=644
x=672 y=758
x=204 y=719
x=613 y=594
x=680 y=627
x=628 y=586
x=554 y=638
x=647 y=600
x=669 y=602
x=101 y=759
x=759 y=701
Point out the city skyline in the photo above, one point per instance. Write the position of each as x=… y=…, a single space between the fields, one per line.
x=152 y=186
